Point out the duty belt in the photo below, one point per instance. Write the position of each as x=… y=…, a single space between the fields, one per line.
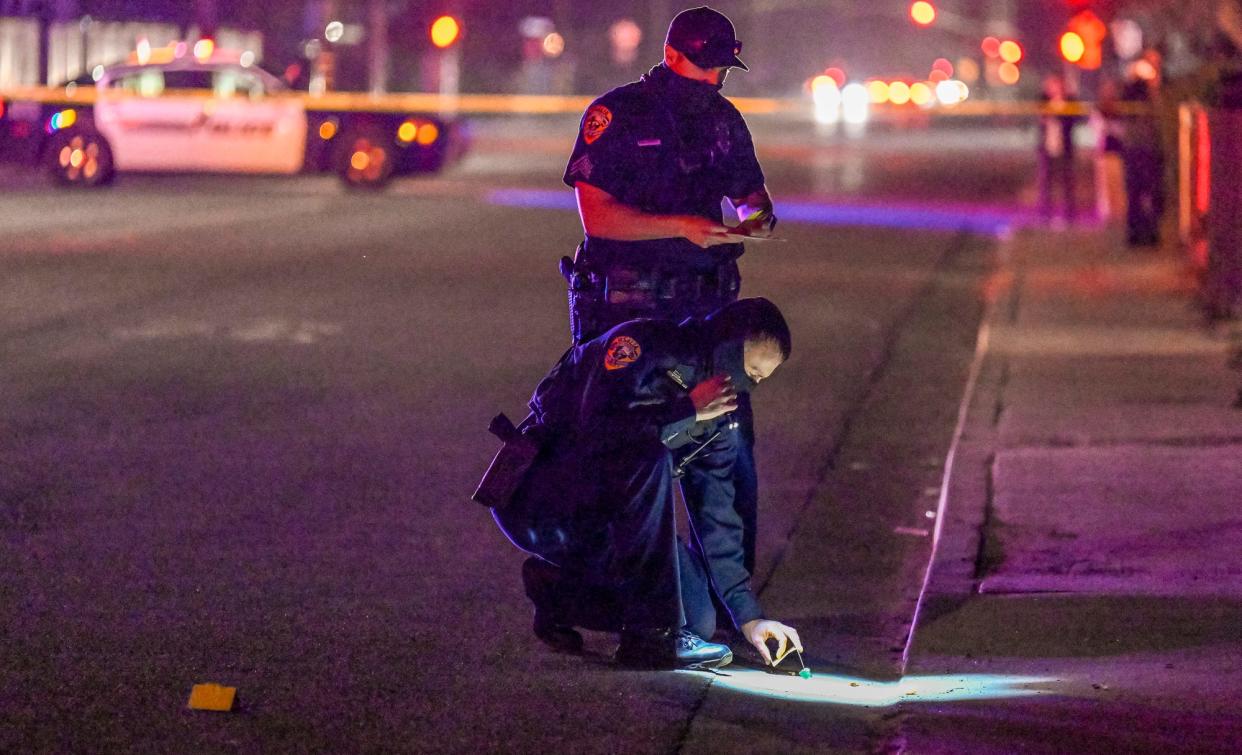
x=631 y=287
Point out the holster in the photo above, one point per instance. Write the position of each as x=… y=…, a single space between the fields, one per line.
x=587 y=311
x=510 y=466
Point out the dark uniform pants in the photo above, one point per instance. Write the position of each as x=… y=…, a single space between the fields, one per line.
x=721 y=538
x=610 y=545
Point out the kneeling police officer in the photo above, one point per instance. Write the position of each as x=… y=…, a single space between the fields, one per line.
x=617 y=419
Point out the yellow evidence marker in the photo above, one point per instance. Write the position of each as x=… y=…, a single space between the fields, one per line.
x=212 y=697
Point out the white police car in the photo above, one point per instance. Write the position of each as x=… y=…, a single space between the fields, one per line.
x=216 y=112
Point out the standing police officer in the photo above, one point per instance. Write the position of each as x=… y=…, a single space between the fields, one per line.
x=652 y=163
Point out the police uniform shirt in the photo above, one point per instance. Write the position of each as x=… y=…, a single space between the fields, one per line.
x=666 y=145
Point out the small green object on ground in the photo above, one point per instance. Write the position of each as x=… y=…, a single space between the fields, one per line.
x=805 y=673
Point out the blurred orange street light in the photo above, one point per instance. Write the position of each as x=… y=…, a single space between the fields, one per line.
x=921 y=94
x=922 y=12
x=444 y=31
x=1008 y=73
x=899 y=92
x=1010 y=51
x=1072 y=47
x=878 y=91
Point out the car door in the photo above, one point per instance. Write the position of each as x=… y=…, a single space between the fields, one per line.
x=151 y=117
x=250 y=128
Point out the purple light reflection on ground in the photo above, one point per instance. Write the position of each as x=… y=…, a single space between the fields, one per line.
x=989 y=220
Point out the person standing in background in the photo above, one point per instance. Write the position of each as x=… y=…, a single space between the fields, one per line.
x=1143 y=154
x=1055 y=151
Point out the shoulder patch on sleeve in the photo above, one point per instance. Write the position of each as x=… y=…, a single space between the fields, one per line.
x=622 y=352
x=597 y=119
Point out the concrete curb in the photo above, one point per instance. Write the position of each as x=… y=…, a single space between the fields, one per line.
x=950 y=578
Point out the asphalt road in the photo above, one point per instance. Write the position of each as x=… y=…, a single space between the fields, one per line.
x=241 y=419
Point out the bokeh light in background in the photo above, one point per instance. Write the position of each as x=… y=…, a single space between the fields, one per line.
x=899 y=92
x=427 y=134
x=334 y=31
x=877 y=91
x=922 y=13
x=1127 y=38
x=826 y=95
x=837 y=75
x=1010 y=51
x=968 y=70
x=625 y=36
x=203 y=49
x=990 y=47
x=444 y=31
x=1072 y=47
x=844 y=690
x=855 y=103
x=921 y=94
x=62 y=119
x=1008 y=73
x=951 y=92
x=553 y=45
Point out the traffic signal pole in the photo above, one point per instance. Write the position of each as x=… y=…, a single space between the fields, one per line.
x=377 y=46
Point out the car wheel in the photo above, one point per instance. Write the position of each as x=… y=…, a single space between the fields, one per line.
x=365 y=161
x=80 y=158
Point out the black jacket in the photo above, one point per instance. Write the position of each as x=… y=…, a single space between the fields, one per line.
x=629 y=389
x=631 y=383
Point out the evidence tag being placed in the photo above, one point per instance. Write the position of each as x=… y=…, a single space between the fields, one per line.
x=212 y=697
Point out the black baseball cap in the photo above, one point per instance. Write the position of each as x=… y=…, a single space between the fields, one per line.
x=706 y=37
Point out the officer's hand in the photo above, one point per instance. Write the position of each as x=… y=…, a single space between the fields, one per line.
x=759 y=630
x=761 y=227
x=713 y=397
x=706 y=233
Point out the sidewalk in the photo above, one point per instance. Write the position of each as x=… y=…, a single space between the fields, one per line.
x=1092 y=536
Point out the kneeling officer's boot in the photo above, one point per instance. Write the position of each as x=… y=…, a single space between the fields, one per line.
x=540 y=579
x=662 y=648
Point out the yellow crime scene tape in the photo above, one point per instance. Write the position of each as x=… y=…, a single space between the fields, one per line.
x=542 y=104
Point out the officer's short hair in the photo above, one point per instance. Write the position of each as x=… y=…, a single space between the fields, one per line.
x=754 y=319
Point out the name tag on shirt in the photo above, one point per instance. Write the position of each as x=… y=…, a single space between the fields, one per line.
x=649 y=142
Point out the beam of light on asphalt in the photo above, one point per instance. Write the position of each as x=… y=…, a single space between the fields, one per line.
x=844 y=690
x=983 y=220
